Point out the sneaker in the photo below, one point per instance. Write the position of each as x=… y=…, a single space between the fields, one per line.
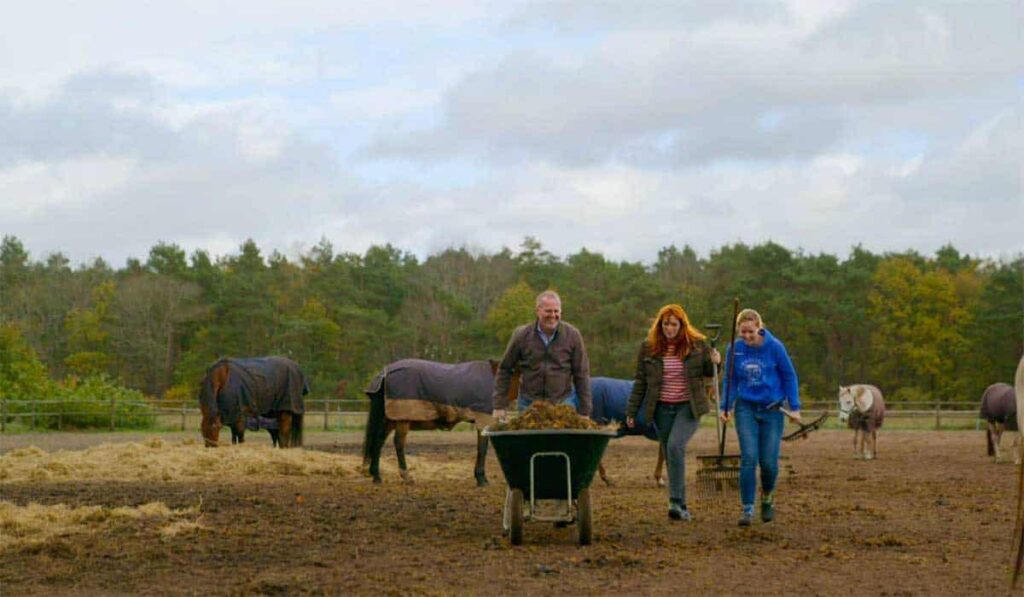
x=747 y=518
x=768 y=507
x=677 y=512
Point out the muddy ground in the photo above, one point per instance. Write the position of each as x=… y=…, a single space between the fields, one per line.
x=933 y=515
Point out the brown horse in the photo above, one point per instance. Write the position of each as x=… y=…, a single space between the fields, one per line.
x=236 y=390
x=413 y=394
x=1018 y=533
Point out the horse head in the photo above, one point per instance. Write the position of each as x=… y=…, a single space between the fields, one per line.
x=846 y=403
x=209 y=398
x=854 y=398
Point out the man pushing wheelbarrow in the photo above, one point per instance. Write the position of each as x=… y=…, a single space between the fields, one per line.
x=551 y=360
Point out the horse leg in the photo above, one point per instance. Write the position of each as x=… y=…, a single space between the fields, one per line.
x=401 y=435
x=479 y=472
x=377 y=447
x=1016 y=448
x=997 y=438
x=659 y=468
x=872 y=451
x=989 y=444
x=284 y=429
x=603 y=473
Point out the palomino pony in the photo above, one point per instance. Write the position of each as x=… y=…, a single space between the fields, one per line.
x=414 y=394
x=1018 y=533
x=862 y=407
x=237 y=390
x=999 y=409
x=610 y=399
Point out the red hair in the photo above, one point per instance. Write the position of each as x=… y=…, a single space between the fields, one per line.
x=684 y=341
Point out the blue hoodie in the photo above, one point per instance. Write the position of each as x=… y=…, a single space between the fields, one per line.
x=763 y=374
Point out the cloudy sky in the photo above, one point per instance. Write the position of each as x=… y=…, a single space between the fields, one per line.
x=622 y=127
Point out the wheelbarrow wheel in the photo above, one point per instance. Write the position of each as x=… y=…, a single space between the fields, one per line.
x=515 y=530
x=586 y=517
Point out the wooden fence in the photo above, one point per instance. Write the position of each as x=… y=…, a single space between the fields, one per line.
x=334 y=413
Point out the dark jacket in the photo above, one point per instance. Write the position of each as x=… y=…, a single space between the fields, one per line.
x=648 y=376
x=547 y=372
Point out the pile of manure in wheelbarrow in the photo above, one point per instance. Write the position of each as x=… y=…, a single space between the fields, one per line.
x=544 y=415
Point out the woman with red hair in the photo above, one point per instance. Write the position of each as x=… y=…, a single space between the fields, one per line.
x=671 y=367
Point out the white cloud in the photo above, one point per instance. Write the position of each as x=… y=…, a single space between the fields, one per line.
x=621 y=127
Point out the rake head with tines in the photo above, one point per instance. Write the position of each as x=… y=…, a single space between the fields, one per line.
x=718 y=475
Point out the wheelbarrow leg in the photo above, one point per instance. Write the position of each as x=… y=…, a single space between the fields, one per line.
x=586 y=516
x=515 y=515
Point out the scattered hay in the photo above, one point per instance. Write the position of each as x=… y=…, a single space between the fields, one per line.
x=156 y=460
x=36 y=526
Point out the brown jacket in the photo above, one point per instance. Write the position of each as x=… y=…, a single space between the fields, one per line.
x=548 y=372
x=647 y=381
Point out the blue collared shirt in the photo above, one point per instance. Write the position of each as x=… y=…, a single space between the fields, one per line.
x=544 y=337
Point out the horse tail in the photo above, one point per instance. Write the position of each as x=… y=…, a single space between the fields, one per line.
x=296 y=432
x=375 y=426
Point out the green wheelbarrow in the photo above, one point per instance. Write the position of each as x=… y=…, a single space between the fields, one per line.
x=549 y=464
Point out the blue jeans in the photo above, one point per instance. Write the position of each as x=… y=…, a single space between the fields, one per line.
x=572 y=400
x=760 y=435
x=676 y=425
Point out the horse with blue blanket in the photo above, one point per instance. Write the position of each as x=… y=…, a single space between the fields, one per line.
x=414 y=394
x=610 y=397
x=236 y=391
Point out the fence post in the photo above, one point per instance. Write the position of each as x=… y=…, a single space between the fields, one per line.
x=33 y=405
x=113 y=412
x=938 y=415
x=3 y=415
x=183 y=416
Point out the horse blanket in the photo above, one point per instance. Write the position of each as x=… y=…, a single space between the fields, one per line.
x=610 y=399
x=419 y=390
x=257 y=386
x=874 y=417
x=257 y=423
x=999 y=405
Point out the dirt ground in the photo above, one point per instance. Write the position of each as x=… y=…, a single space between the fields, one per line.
x=933 y=515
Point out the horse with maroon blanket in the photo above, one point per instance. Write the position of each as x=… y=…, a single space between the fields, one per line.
x=417 y=394
x=862 y=408
x=236 y=391
x=999 y=410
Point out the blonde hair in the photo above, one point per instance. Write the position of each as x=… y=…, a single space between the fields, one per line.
x=749 y=315
x=688 y=336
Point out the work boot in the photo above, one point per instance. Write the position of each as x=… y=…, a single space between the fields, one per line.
x=747 y=518
x=768 y=508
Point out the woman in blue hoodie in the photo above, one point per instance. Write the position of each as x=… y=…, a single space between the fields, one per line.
x=757 y=384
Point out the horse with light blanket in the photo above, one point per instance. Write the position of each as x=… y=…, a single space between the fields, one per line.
x=862 y=408
x=999 y=410
x=416 y=394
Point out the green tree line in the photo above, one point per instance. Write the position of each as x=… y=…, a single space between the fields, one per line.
x=926 y=327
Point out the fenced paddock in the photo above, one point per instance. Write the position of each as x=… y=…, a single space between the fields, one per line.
x=334 y=414
x=161 y=514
